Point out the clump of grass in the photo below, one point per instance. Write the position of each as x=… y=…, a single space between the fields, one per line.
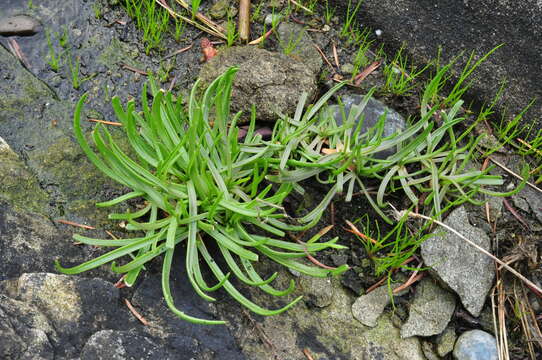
x=54 y=58
x=400 y=74
x=392 y=250
x=194 y=5
x=363 y=56
x=349 y=20
x=198 y=185
x=180 y=27
x=231 y=32
x=329 y=13
x=151 y=18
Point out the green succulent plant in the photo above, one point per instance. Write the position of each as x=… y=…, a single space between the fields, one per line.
x=198 y=184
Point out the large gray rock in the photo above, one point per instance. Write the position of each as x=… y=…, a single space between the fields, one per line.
x=430 y=311
x=461 y=26
x=476 y=345
x=464 y=269
x=273 y=82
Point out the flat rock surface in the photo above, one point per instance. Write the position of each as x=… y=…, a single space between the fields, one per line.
x=460 y=27
x=18 y=25
x=430 y=311
x=451 y=258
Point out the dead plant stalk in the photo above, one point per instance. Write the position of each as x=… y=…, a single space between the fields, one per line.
x=400 y=214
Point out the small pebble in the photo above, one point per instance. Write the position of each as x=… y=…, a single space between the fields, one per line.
x=270 y=18
x=475 y=345
x=378 y=32
x=19 y=25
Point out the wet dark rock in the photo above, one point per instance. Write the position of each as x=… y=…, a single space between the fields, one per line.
x=430 y=311
x=394 y=123
x=451 y=258
x=454 y=28
x=120 y=345
x=19 y=25
x=475 y=345
x=215 y=338
x=273 y=82
x=60 y=311
x=24 y=331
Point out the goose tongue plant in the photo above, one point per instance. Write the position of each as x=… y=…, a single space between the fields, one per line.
x=199 y=184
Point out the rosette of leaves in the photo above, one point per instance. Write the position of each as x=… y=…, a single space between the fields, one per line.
x=198 y=184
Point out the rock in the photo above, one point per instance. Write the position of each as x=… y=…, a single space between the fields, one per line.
x=430 y=311
x=384 y=342
x=273 y=82
x=317 y=291
x=429 y=351
x=48 y=316
x=30 y=242
x=475 y=345
x=19 y=187
x=464 y=269
x=272 y=18
x=180 y=334
x=296 y=42
x=120 y=345
x=445 y=341
x=24 y=331
x=368 y=308
x=465 y=26
x=19 y=25
x=529 y=199
x=371 y=114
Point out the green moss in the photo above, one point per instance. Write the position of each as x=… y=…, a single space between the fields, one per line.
x=19 y=187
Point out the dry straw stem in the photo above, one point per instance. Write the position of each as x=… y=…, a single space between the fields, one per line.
x=209 y=26
x=244 y=20
x=499 y=318
x=400 y=214
x=301 y=6
x=514 y=174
